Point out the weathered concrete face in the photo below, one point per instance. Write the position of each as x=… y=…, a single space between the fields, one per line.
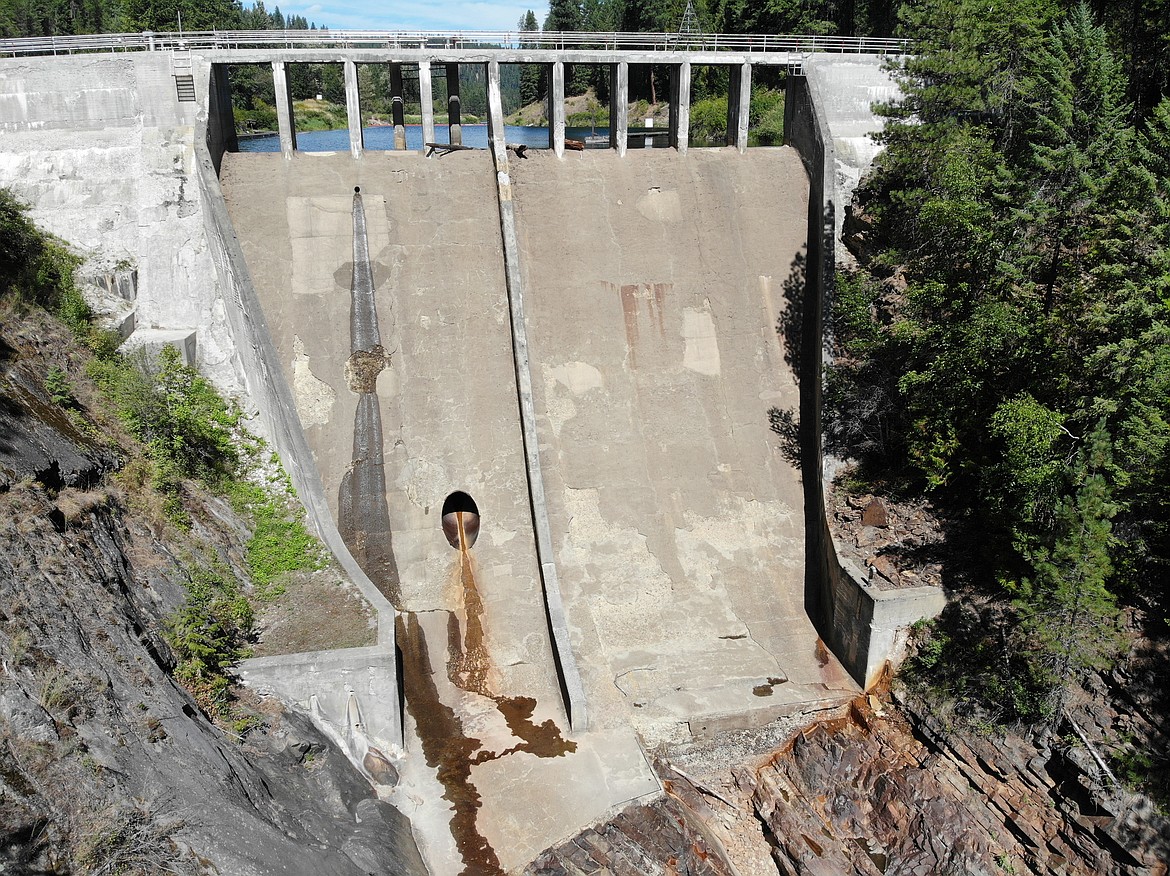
x=653 y=285
x=847 y=89
x=480 y=679
x=102 y=150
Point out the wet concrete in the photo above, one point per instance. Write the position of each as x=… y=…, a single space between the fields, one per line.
x=363 y=514
x=446 y=748
x=446 y=744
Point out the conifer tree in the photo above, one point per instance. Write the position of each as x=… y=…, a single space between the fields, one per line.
x=1069 y=618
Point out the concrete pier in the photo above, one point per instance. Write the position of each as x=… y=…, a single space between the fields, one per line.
x=397 y=107
x=426 y=102
x=619 y=110
x=454 y=115
x=353 y=110
x=284 y=109
x=556 y=108
x=680 y=107
x=739 y=103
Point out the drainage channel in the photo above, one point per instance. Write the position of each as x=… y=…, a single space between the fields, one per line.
x=363 y=515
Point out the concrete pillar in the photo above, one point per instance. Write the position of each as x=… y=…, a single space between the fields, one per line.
x=556 y=108
x=496 y=116
x=680 y=106
x=619 y=106
x=739 y=102
x=353 y=110
x=427 y=99
x=284 y=111
x=221 y=104
x=397 y=106
x=454 y=117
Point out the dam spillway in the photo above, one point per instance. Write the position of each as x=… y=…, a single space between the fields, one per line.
x=653 y=286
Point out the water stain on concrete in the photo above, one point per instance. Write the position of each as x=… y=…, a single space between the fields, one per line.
x=765 y=690
x=446 y=749
x=654 y=294
x=542 y=740
x=363 y=515
x=469 y=664
x=832 y=676
x=629 y=293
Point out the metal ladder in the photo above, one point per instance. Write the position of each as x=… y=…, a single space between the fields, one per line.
x=184 y=79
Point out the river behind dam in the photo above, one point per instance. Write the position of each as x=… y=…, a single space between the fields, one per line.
x=382 y=137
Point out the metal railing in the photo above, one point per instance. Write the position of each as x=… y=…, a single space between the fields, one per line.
x=391 y=39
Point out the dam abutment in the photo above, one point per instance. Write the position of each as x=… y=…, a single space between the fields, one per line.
x=828 y=118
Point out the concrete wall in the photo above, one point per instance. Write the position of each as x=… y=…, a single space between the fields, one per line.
x=653 y=286
x=828 y=118
x=103 y=151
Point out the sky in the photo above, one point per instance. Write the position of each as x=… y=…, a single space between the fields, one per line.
x=412 y=14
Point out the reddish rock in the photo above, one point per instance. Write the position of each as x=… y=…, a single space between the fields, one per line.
x=875 y=514
x=885 y=567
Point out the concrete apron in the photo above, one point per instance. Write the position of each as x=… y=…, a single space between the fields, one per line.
x=491 y=774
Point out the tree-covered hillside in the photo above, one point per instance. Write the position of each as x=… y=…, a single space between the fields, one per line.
x=1005 y=348
x=20 y=18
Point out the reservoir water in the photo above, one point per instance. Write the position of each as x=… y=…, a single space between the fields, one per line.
x=382 y=137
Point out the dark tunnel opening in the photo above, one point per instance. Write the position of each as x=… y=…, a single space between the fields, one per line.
x=460 y=520
x=459 y=501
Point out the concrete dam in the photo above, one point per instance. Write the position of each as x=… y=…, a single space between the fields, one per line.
x=571 y=356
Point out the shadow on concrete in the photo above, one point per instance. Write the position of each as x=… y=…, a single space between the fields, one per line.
x=785 y=423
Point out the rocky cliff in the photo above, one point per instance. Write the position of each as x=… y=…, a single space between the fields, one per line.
x=106 y=764
x=885 y=789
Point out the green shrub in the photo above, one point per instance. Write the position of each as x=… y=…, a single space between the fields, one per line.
x=34 y=267
x=208 y=634
x=187 y=427
x=709 y=122
x=261 y=117
x=59 y=389
x=280 y=542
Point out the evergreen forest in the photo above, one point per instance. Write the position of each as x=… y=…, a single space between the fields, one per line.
x=1002 y=350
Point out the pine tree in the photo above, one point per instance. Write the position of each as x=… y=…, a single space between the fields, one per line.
x=1077 y=133
x=563 y=15
x=1069 y=619
x=532 y=76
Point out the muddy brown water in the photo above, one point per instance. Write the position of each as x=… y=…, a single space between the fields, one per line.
x=446 y=746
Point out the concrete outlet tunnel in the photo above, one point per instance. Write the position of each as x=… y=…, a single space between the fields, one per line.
x=460 y=520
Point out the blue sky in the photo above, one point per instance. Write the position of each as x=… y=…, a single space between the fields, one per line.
x=412 y=14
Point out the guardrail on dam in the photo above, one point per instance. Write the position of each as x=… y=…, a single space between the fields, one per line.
x=584 y=344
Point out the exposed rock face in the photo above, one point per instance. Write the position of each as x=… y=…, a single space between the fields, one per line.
x=885 y=793
x=867 y=796
x=104 y=761
x=654 y=840
x=37 y=439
